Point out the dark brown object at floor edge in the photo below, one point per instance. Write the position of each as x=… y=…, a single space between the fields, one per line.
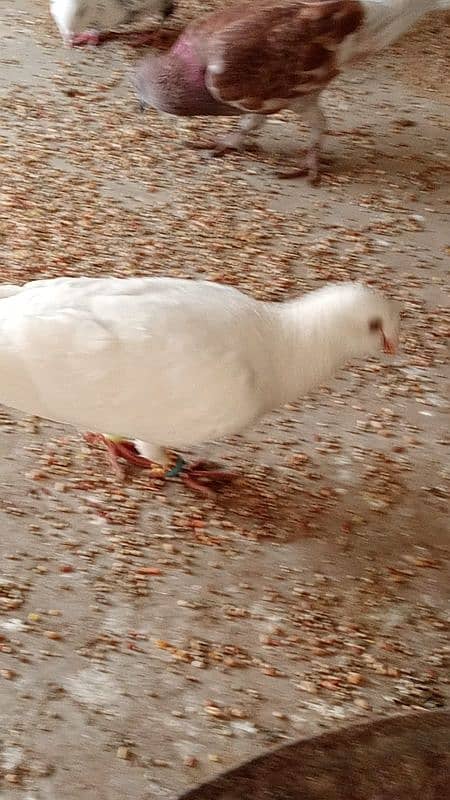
x=406 y=757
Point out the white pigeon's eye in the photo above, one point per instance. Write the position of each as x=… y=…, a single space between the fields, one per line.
x=375 y=325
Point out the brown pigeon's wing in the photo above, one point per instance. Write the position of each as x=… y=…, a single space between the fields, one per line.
x=261 y=56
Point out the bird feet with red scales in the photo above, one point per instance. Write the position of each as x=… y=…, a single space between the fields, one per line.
x=201 y=476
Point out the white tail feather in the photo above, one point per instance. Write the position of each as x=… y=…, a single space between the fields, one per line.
x=8 y=290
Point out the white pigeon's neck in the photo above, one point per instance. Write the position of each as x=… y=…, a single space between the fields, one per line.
x=309 y=345
x=385 y=22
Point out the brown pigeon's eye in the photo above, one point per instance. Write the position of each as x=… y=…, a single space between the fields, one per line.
x=375 y=324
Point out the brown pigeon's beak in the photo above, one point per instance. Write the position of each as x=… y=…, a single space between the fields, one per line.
x=169 y=9
x=142 y=105
x=389 y=346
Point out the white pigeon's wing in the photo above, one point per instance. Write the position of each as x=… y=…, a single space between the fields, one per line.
x=171 y=362
x=51 y=364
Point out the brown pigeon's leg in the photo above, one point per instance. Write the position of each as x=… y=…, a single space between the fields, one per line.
x=233 y=141
x=310 y=165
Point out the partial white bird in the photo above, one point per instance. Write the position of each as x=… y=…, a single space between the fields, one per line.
x=257 y=57
x=91 y=21
x=161 y=363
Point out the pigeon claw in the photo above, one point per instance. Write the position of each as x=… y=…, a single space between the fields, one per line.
x=203 y=476
x=312 y=176
x=93 y=38
x=218 y=149
x=309 y=167
x=119 y=449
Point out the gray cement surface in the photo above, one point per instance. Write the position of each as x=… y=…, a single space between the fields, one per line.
x=150 y=639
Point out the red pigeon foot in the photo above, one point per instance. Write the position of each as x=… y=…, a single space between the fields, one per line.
x=198 y=477
x=119 y=449
x=94 y=38
x=202 y=474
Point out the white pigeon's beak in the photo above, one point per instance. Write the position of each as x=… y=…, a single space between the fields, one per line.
x=389 y=346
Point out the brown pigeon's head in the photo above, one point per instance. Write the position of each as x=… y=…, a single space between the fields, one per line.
x=176 y=85
x=161 y=84
x=168 y=8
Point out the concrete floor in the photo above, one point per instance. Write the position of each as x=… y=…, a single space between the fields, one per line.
x=150 y=639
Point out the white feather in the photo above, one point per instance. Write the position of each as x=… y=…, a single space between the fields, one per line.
x=174 y=362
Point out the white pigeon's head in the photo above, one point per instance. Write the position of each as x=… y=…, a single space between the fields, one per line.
x=73 y=17
x=77 y=16
x=363 y=320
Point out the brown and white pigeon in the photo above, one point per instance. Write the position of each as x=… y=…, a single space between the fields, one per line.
x=91 y=21
x=256 y=58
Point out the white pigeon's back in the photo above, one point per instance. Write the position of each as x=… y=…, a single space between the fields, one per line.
x=162 y=360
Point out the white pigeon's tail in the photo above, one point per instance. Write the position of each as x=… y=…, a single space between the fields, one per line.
x=8 y=290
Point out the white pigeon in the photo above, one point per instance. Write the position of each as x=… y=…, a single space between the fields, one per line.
x=84 y=21
x=161 y=363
